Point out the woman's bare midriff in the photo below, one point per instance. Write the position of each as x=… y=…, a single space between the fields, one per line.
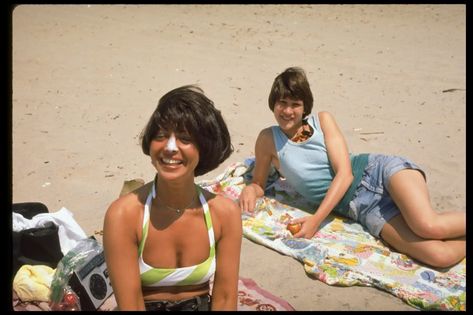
x=175 y=293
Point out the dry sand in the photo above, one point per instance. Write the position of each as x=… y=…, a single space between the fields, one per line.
x=86 y=79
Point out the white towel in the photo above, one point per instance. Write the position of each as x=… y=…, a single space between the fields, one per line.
x=69 y=231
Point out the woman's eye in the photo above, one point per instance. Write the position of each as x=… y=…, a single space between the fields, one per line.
x=159 y=136
x=185 y=139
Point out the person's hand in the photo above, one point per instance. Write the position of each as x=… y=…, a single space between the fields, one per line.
x=310 y=225
x=248 y=199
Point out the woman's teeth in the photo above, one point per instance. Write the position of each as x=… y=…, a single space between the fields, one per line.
x=170 y=161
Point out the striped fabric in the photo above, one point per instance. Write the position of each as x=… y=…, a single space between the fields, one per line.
x=158 y=277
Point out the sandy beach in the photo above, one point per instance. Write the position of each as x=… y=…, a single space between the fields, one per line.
x=87 y=77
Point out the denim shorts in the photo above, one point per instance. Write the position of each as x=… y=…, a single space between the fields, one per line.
x=372 y=205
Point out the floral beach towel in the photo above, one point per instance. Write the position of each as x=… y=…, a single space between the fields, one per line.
x=342 y=252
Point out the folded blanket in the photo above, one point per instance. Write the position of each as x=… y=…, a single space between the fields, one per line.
x=342 y=252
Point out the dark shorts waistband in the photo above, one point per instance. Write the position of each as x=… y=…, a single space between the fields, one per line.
x=196 y=303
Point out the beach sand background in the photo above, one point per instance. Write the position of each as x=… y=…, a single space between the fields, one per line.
x=86 y=78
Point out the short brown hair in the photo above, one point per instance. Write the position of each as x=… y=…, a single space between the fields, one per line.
x=292 y=83
x=187 y=109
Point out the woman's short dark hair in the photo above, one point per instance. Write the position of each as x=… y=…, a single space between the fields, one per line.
x=292 y=83
x=186 y=109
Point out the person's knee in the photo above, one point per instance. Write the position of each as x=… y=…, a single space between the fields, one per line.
x=429 y=229
x=441 y=256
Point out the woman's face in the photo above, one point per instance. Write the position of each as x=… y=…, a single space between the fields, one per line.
x=289 y=113
x=174 y=154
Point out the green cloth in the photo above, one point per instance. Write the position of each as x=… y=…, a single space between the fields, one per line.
x=358 y=165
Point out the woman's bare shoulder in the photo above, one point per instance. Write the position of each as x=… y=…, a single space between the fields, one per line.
x=266 y=132
x=224 y=207
x=129 y=205
x=265 y=139
x=324 y=115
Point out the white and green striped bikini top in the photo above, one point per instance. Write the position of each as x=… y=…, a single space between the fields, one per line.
x=160 y=277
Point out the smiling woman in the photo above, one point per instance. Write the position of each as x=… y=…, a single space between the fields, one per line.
x=387 y=194
x=164 y=241
x=194 y=118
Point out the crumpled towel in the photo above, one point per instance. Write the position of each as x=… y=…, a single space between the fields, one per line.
x=69 y=231
x=33 y=283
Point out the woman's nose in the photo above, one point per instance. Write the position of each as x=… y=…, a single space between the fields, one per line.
x=171 y=145
x=287 y=110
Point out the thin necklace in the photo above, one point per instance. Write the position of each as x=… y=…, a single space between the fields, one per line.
x=178 y=211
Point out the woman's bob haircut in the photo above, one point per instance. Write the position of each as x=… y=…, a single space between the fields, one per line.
x=292 y=83
x=187 y=110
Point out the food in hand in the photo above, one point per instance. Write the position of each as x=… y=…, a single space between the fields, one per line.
x=294 y=227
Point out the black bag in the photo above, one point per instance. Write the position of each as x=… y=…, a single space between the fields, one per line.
x=35 y=246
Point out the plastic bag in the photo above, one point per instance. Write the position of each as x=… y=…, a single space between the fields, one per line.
x=70 y=301
x=62 y=296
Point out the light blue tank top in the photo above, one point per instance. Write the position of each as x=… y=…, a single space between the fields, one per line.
x=306 y=166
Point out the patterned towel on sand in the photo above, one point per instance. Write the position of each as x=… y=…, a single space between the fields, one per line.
x=253 y=298
x=342 y=252
x=250 y=298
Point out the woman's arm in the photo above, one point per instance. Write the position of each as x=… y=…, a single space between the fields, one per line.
x=339 y=158
x=263 y=148
x=228 y=247
x=121 y=255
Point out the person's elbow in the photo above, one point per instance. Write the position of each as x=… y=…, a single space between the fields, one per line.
x=350 y=178
x=224 y=302
x=347 y=177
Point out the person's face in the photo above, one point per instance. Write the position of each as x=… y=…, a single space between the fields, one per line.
x=289 y=113
x=173 y=154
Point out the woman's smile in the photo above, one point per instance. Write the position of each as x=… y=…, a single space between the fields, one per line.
x=168 y=161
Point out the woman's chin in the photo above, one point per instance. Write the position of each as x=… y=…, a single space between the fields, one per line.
x=174 y=174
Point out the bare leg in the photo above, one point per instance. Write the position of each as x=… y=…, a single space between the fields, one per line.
x=436 y=253
x=409 y=191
